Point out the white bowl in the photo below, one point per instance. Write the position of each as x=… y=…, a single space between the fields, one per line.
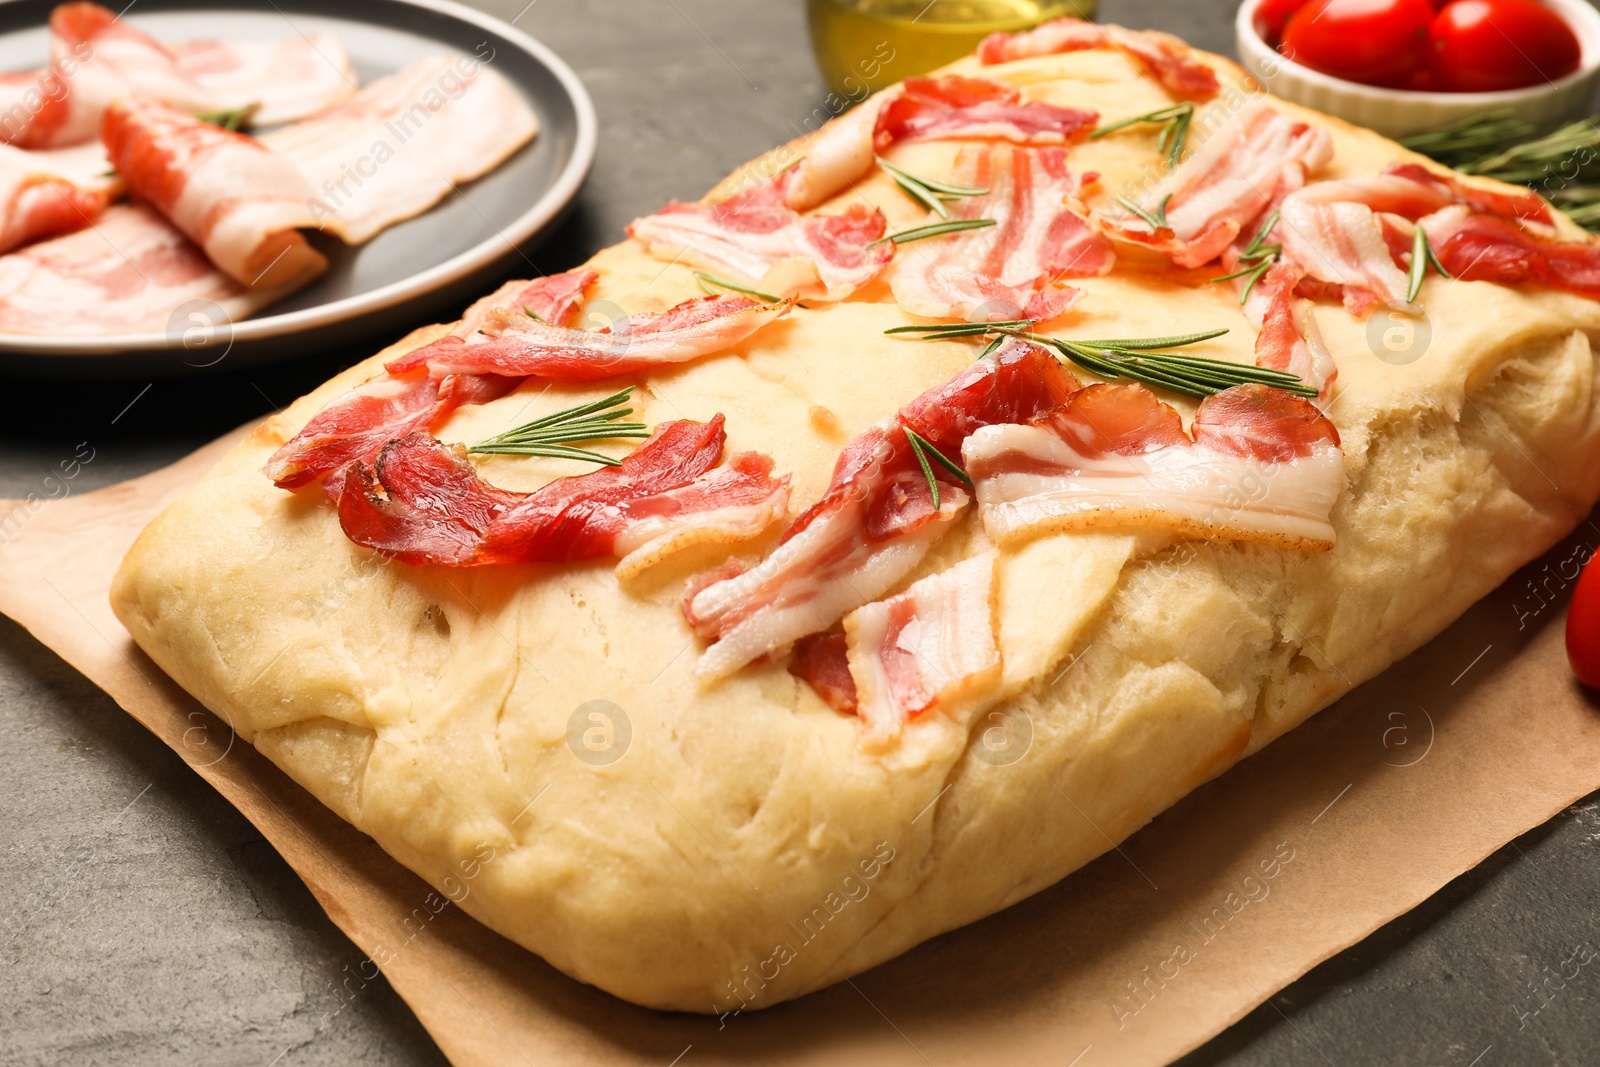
x=1402 y=112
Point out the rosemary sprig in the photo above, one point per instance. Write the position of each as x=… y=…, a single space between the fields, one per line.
x=553 y=435
x=930 y=194
x=1422 y=257
x=710 y=283
x=924 y=450
x=938 y=229
x=1155 y=218
x=946 y=330
x=1142 y=359
x=1563 y=166
x=1175 y=122
x=233 y=119
x=1257 y=258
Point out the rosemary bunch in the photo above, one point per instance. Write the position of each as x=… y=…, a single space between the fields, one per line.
x=1563 y=165
x=1143 y=359
x=554 y=435
x=1467 y=140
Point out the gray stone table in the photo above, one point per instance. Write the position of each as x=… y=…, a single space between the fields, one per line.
x=146 y=922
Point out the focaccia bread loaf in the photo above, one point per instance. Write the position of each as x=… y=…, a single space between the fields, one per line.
x=744 y=848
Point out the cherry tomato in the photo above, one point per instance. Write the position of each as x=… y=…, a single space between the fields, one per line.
x=1483 y=46
x=1271 y=16
x=1376 y=42
x=1583 y=627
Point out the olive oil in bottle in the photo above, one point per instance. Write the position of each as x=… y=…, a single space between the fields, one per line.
x=863 y=45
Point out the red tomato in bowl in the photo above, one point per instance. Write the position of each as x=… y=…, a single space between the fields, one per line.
x=1583 y=627
x=1271 y=16
x=1484 y=46
x=1376 y=42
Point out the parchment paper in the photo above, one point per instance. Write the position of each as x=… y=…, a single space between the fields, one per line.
x=1287 y=859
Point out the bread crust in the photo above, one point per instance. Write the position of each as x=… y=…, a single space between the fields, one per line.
x=745 y=850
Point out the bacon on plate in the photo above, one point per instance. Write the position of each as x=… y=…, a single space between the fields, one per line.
x=238 y=201
x=1262 y=465
x=1013 y=269
x=49 y=193
x=283 y=80
x=133 y=272
x=877 y=519
x=1162 y=56
x=756 y=238
x=423 y=503
x=928 y=650
x=96 y=59
x=403 y=142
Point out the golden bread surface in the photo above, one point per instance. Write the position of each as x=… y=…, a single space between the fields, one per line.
x=744 y=832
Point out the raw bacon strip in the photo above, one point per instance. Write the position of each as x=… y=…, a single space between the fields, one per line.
x=1342 y=244
x=40 y=198
x=876 y=520
x=952 y=106
x=521 y=346
x=822 y=662
x=555 y=298
x=921 y=108
x=355 y=426
x=1522 y=204
x=1287 y=336
x=1484 y=248
x=130 y=273
x=1229 y=183
x=401 y=144
x=929 y=649
x=422 y=503
x=96 y=59
x=1009 y=270
x=1162 y=56
x=1263 y=466
x=756 y=237
x=723 y=507
x=284 y=80
x=870 y=529
x=235 y=199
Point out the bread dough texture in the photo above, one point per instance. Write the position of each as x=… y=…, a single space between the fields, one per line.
x=743 y=849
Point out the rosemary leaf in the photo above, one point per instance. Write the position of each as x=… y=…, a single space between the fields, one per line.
x=938 y=229
x=940 y=458
x=234 y=119
x=708 y=281
x=1174 y=122
x=1156 y=219
x=922 y=461
x=532 y=314
x=959 y=329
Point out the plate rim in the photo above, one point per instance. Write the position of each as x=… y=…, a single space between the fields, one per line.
x=507 y=238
